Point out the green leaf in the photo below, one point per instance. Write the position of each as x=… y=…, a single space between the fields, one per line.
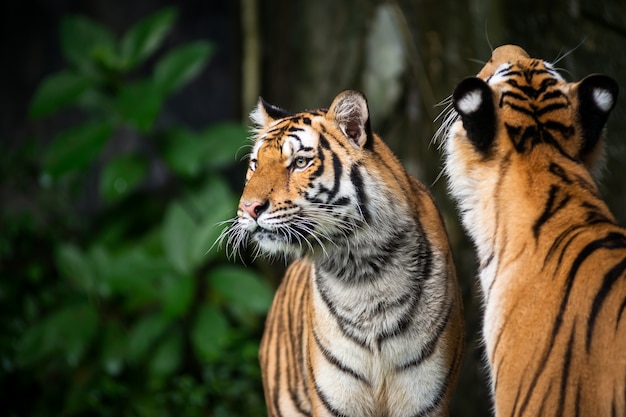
x=85 y=42
x=113 y=348
x=76 y=266
x=177 y=294
x=76 y=148
x=209 y=335
x=242 y=288
x=184 y=152
x=69 y=330
x=181 y=65
x=133 y=274
x=144 y=335
x=57 y=91
x=33 y=345
x=77 y=327
x=177 y=228
x=168 y=354
x=146 y=36
x=219 y=146
x=224 y=142
x=139 y=104
x=217 y=203
x=121 y=176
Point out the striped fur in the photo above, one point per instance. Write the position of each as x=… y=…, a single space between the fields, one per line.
x=521 y=147
x=368 y=320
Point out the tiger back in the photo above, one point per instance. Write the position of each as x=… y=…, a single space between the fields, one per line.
x=521 y=148
x=367 y=320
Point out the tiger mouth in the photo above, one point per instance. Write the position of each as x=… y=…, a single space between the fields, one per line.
x=267 y=234
x=293 y=235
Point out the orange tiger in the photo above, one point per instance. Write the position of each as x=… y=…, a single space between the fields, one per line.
x=520 y=150
x=368 y=319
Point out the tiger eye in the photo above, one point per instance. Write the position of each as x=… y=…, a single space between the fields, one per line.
x=300 y=162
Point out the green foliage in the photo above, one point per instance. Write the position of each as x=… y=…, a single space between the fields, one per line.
x=125 y=309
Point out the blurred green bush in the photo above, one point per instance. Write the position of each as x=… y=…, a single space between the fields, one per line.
x=113 y=299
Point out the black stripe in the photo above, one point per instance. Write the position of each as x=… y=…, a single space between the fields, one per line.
x=513 y=94
x=558 y=170
x=440 y=394
x=338 y=167
x=517 y=396
x=342 y=321
x=565 y=371
x=610 y=241
x=559 y=239
x=296 y=138
x=325 y=401
x=550 y=108
x=567 y=131
x=324 y=142
x=609 y=280
x=303 y=276
x=556 y=93
x=547 y=394
x=520 y=109
x=577 y=404
x=276 y=385
x=362 y=200
x=341 y=201
x=504 y=169
x=622 y=307
x=337 y=363
x=320 y=169
x=429 y=347
x=551 y=208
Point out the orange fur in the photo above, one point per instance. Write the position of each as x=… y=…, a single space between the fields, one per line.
x=552 y=259
x=368 y=321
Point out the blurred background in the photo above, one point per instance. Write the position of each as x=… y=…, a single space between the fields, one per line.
x=122 y=147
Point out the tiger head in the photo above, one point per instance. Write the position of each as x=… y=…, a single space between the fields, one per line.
x=514 y=128
x=521 y=106
x=303 y=189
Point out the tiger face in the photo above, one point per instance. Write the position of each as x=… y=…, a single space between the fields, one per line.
x=303 y=186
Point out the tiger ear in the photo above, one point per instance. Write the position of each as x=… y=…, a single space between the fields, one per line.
x=350 y=112
x=473 y=101
x=597 y=95
x=265 y=113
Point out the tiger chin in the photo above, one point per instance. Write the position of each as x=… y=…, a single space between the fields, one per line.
x=368 y=318
x=522 y=148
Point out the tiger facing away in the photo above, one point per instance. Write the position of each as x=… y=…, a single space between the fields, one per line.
x=368 y=319
x=520 y=150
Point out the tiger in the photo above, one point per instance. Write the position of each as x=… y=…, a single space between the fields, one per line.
x=367 y=320
x=523 y=149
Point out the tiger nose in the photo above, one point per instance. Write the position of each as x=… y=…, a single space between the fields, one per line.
x=255 y=208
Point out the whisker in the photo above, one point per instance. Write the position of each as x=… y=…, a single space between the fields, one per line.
x=445 y=102
x=441 y=171
x=560 y=57
x=477 y=61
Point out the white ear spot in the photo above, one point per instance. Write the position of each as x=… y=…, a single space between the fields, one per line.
x=603 y=99
x=470 y=102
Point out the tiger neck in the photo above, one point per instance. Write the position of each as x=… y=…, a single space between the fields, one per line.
x=557 y=204
x=366 y=288
x=371 y=253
